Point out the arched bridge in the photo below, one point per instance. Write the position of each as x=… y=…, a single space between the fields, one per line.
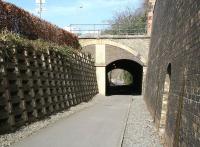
x=127 y=52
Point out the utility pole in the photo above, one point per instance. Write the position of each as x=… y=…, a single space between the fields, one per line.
x=40 y=8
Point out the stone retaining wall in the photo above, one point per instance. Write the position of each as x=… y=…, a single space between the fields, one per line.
x=35 y=84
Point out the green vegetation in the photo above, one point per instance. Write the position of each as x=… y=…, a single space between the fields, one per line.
x=22 y=22
x=9 y=40
x=127 y=77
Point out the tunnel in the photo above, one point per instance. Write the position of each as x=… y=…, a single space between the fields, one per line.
x=116 y=85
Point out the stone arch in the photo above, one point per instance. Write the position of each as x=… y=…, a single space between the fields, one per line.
x=165 y=97
x=139 y=57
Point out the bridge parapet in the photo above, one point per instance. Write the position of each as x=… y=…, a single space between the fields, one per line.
x=114 y=36
x=105 y=31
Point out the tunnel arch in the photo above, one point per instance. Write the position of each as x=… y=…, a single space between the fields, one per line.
x=135 y=69
x=136 y=54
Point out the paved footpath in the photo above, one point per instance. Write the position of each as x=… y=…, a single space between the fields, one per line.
x=101 y=125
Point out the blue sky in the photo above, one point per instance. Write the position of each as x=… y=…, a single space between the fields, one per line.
x=65 y=12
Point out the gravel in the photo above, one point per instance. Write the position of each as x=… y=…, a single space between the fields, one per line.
x=9 y=139
x=140 y=130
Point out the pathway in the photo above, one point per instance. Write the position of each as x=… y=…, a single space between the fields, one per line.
x=101 y=125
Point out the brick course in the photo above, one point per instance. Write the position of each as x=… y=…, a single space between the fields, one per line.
x=175 y=40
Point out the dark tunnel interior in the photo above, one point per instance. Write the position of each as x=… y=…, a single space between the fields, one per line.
x=135 y=69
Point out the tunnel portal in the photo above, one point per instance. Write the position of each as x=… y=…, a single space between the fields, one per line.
x=136 y=72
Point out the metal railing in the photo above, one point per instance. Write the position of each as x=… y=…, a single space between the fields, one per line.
x=98 y=30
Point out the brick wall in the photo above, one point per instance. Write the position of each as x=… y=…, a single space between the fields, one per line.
x=175 y=43
x=151 y=4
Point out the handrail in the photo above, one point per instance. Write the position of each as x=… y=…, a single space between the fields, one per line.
x=90 y=30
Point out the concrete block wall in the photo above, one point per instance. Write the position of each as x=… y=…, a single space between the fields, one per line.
x=175 y=43
x=35 y=84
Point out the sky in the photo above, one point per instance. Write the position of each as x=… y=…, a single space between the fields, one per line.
x=65 y=12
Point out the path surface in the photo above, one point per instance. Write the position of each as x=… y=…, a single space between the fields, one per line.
x=101 y=125
x=140 y=130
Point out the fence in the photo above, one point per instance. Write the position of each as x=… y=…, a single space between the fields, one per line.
x=97 y=30
x=35 y=84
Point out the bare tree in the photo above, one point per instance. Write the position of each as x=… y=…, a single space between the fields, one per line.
x=129 y=21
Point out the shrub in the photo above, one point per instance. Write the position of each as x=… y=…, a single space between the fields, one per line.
x=19 y=21
x=10 y=40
